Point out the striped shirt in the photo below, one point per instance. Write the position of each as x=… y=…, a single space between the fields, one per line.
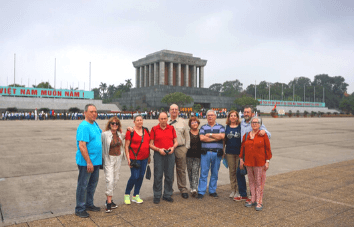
x=217 y=128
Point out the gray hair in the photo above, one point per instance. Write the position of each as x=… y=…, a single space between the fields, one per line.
x=138 y=115
x=210 y=111
x=249 y=107
x=258 y=118
x=174 y=105
x=88 y=105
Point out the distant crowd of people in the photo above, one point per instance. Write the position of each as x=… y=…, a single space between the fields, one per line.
x=176 y=144
x=52 y=115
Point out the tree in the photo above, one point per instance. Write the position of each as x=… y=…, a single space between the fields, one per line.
x=45 y=110
x=128 y=84
x=347 y=104
x=197 y=107
x=16 y=85
x=103 y=88
x=111 y=90
x=178 y=98
x=96 y=93
x=245 y=101
x=334 y=87
x=137 y=108
x=262 y=90
x=74 y=110
x=124 y=108
x=11 y=109
x=43 y=85
x=216 y=87
x=231 y=88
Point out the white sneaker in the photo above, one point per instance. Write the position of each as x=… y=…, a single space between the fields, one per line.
x=232 y=194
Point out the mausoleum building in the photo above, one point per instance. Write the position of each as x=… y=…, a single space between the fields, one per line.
x=165 y=72
x=172 y=68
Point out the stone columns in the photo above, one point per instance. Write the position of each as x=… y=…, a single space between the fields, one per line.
x=178 y=76
x=141 y=77
x=186 y=76
x=201 y=76
x=137 y=78
x=162 y=73
x=170 y=74
x=156 y=74
x=194 y=76
x=151 y=76
x=146 y=81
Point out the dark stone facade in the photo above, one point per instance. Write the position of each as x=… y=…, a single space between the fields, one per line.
x=150 y=97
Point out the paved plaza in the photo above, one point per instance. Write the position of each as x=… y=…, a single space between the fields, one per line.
x=310 y=181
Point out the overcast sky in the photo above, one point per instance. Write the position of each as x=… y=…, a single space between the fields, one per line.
x=250 y=41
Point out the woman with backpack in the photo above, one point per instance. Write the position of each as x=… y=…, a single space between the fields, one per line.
x=137 y=150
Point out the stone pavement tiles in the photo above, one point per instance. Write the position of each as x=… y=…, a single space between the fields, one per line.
x=320 y=196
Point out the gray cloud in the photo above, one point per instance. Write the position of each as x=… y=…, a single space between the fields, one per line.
x=245 y=40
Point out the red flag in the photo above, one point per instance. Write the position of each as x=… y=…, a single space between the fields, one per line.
x=275 y=106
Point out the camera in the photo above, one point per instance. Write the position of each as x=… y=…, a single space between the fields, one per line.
x=167 y=151
x=134 y=164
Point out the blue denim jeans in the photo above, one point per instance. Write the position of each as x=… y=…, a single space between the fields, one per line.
x=241 y=181
x=210 y=160
x=86 y=187
x=136 y=178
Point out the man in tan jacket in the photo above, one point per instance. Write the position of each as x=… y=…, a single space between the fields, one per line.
x=183 y=138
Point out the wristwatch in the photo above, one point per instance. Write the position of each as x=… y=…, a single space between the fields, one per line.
x=267 y=161
x=210 y=134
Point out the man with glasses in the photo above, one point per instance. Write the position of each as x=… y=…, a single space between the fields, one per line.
x=212 y=135
x=88 y=160
x=248 y=113
x=183 y=139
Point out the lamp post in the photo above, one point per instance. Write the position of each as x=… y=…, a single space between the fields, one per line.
x=269 y=91
x=304 y=97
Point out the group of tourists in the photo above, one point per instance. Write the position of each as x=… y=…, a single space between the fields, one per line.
x=178 y=144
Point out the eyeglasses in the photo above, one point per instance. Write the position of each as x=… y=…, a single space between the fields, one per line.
x=114 y=123
x=254 y=122
x=194 y=122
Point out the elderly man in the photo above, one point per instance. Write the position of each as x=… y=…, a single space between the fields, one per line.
x=163 y=140
x=88 y=160
x=248 y=113
x=183 y=139
x=212 y=135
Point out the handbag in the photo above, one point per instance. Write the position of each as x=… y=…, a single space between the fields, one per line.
x=148 y=173
x=244 y=170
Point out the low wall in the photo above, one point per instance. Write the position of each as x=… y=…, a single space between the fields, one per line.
x=268 y=109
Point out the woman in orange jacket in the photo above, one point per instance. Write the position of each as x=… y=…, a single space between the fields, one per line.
x=255 y=155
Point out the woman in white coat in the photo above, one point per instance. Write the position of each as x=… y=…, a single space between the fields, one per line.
x=112 y=152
